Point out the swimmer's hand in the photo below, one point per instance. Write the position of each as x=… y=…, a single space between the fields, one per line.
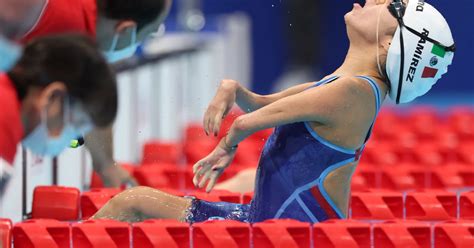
x=220 y=106
x=209 y=169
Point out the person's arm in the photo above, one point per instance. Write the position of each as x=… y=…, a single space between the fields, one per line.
x=231 y=92
x=100 y=145
x=327 y=105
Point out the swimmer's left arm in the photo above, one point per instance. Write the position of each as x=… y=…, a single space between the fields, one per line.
x=230 y=92
x=325 y=104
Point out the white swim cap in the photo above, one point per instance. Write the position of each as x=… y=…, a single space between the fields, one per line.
x=421 y=53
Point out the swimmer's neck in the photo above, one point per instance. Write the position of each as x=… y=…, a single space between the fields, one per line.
x=359 y=62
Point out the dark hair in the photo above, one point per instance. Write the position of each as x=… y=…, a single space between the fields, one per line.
x=142 y=12
x=74 y=60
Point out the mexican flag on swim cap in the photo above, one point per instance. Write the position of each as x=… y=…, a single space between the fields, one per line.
x=424 y=61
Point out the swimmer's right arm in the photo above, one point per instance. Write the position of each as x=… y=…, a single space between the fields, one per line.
x=249 y=101
x=230 y=92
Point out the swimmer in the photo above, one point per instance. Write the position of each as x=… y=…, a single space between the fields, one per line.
x=119 y=26
x=399 y=49
x=60 y=87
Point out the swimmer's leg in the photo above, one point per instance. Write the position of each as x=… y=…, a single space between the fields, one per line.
x=140 y=203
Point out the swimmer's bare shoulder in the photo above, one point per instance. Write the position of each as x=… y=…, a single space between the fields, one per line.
x=344 y=99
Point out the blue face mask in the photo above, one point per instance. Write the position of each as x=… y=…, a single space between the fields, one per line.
x=116 y=55
x=9 y=54
x=40 y=143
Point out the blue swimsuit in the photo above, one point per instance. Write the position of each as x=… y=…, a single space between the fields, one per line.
x=292 y=168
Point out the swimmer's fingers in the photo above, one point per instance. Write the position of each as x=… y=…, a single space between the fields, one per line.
x=204 y=179
x=212 y=180
x=213 y=118
x=201 y=170
x=215 y=173
x=205 y=122
x=216 y=124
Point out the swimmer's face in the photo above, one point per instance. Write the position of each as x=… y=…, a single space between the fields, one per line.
x=362 y=21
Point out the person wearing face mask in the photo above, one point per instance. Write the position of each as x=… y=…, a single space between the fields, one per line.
x=119 y=26
x=60 y=88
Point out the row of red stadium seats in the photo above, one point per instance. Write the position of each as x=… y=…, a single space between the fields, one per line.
x=410 y=177
x=271 y=233
x=367 y=176
x=63 y=203
x=379 y=152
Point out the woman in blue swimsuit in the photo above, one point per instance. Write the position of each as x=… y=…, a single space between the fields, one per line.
x=396 y=48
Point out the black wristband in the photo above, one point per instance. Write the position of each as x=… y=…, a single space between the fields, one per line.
x=230 y=148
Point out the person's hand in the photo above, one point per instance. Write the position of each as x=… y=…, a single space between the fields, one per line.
x=209 y=169
x=220 y=106
x=116 y=176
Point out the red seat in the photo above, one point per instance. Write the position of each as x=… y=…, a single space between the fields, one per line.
x=431 y=205
x=424 y=121
x=195 y=150
x=225 y=233
x=376 y=205
x=247 y=198
x=448 y=177
x=358 y=183
x=281 y=233
x=467 y=174
x=160 y=233
x=55 y=202
x=461 y=119
x=195 y=131
x=399 y=233
x=151 y=176
x=387 y=131
x=42 y=233
x=179 y=177
x=156 y=151
x=429 y=153
x=101 y=234
x=466 y=205
x=93 y=200
x=381 y=153
x=371 y=176
x=402 y=177
x=341 y=233
x=96 y=181
x=461 y=113
x=5 y=233
x=454 y=234
x=217 y=196
x=465 y=153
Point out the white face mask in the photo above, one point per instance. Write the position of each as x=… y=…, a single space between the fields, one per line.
x=9 y=54
x=113 y=55
x=40 y=143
